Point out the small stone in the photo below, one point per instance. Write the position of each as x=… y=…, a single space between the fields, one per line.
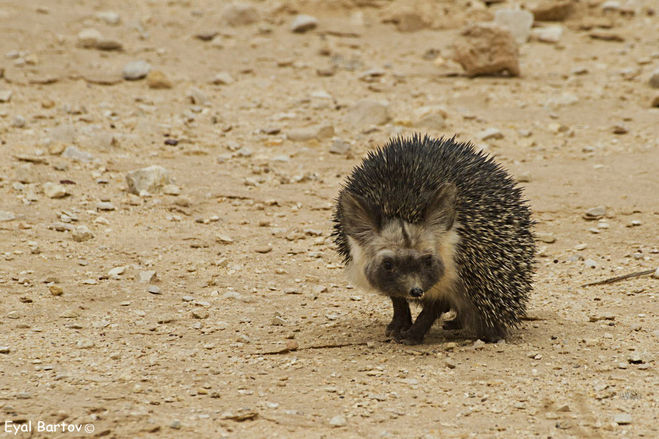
x=4 y=349
x=338 y=421
x=171 y=189
x=55 y=290
x=431 y=116
x=105 y=206
x=108 y=44
x=635 y=358
x=517 y=21
x=85 y=344
x=655 y=102
x=109 y=17
x=654 y=80
x=490 y=133
x=55 y=190
x=595 y=213
x=552 y=10
x=407 y=20
x=450 y=363
x=550 y=34
x=116 y=272
x=5 y=96
x=146 y=276
x=136 y=70
x=622 y=419
x=303 y=23
x=6 y=216
x=590 y=263
x=157 y=80
x=339 y=146
x=88 y=38
x=656 y=273
x=223 y=78
x=223 y=239
x=74 y=153
x=196 y=96
x=263 y=249
x=549 y=238
x=200 y=314
x=487 y=49
x=366 y=113
x=309 y=133
x=175 y=425
x=240 y=14
x=56 y=148
x=18 y=122
x=81 y=234
x=153 y=289
x=149 y=180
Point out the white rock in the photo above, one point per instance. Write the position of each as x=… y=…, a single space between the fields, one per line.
x=240 y=14
x=339 y=146
x=312 y=132
x=116 y=272
x=564 y=100
x=366 y=113
x=517 y=21
x=196 y=96
x=431 y=116
x=549 y=34
x=490 y=133
x=74 y=153
x=622 y=419
x=81 y=234
x=6 y=216
x=54 y=190
x=146 y=276
x=109 y=17
x=136 y=70
x=149 y=180
x=5 y=95
x=656 y=273
x=223 y=78
x=302 y=23
x=654 y=80
x=171 y=189
x=338 y=421
x=89 y=38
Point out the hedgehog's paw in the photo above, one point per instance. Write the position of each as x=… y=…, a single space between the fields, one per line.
x=410 y=337
x=396 y=327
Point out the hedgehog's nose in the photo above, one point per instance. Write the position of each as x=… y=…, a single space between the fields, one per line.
x=416 y=292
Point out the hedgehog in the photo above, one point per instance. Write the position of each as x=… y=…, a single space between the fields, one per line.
x=436 y=223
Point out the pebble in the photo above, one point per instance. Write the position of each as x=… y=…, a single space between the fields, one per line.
x=450 y=363
x=223 y=239
x=240 y=14
x=407 y=20
x=109 y=17
x=431 y=116
x=55 y=190
x=5 y=95
x=303 y=23
x=200 y=314
x=157 y=80
x=654 y=80
x=487 y=49
x=136 y=70
x=366 y=113
x=338 y=421
x=116 y=272
x=149 y=180
x=549 y=238
x=105 y=206
x=81 y=234
x=517 y=21
x=4 y=349
x=74 y=153
x=18 y=122
x=595 y=213
x=6 y=216
x=223 y=78
x=55 y=290
x=309 y=133
x=552 y=10
x=550 y=34
x=88 y=38
x=622 y=419
x=263 y=249
x=656 y=273
x=146 y=276
x=490 y=133
x=171 y=189
x=590 y=263
x=175 y=425
x=339 y=146
x=153 y=289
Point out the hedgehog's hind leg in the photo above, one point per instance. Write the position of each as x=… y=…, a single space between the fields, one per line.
x=402 y=319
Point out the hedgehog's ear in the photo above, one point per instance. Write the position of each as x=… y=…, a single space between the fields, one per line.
x=360 y=218
x=440 y=212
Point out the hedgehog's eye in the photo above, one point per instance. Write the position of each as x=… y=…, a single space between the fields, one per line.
x=388 y=264
x=427 y=261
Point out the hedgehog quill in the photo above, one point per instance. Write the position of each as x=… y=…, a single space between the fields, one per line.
x=433 y=222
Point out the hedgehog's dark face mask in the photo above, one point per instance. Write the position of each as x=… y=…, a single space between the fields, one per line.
x=393 y=256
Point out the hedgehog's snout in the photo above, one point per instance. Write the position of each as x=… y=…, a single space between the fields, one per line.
x=416 y=292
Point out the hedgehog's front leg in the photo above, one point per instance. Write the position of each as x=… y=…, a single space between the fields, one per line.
x=402 y=319
x=424 y=321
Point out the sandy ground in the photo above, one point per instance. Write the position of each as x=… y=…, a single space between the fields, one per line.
x=244 y=264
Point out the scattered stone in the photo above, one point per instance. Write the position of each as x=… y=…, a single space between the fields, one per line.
x=595 y=213
x=55 y=190
x=563 y=100
x=149 y=180
x=303 y=23
x=655 y=102
x=240 y=14
x=5 y=95
x=223 y=78
x=517 y=21
x=550 y=34
x=450 y=363
x=241 y=415
x=654 y=81
x=552 y=10
x=431 y=117
x=135 y=70
x=490 y=133
x=549 y=238
x=85 y=344
x=622 y=419
x=407 y=20
x=153 y=289
x=223 y=239
x=157 y=80
x=6 y=216
x=89 y=38
x=109 y=17
x=196 y=96
x=366 y=113
x=487 y=49
x=206 y=35
x=308 y=133
x=656 y=273
x=71 y=152
x=146 y=276
x=175 y=425
x=108 y=44
x=18 y=122
x=339 y=146
x=55 y=290
x=606 y=36
x=116 y=272
x=590 y=263
x=4 y=349
x=263 y=249
x=338 y=421
x=620 y=129
x=105 y=206
x=81 y=234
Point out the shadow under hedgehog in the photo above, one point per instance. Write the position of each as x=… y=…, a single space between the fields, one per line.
x=434 y=222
